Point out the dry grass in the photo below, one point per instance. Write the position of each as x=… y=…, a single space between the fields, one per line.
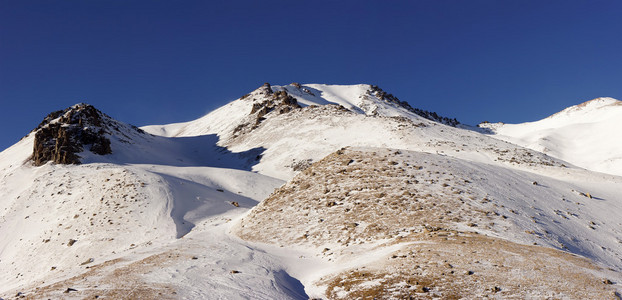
x=383 y=198
x=112 y=280
x=351 y=198
x=449 y=265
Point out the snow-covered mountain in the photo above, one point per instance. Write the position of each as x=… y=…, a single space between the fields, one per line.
x=298 y=124
x=586 y=135
x=297 y=192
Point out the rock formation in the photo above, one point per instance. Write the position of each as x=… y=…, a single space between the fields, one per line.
x=64 y=134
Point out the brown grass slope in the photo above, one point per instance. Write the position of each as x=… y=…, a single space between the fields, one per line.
x=355 y=201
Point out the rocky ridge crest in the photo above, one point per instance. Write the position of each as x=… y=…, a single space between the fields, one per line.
x=389 y=98
x=65 y=133
x=265 y=101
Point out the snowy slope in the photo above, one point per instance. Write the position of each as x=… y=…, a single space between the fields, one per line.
x=586 y=135
x=152 y=217
x=331 y=117
x=57 y=221
x=361 y=99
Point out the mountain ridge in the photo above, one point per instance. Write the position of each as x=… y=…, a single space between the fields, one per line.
x=580 y=134
x=361 y=98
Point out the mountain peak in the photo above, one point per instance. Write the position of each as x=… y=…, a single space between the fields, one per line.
x=589 y=106
x=65 y=133
x=580 y=134
x=601 y=101
x=360 y=98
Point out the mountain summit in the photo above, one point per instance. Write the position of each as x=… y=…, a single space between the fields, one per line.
x=594 y=106
x=363 y=99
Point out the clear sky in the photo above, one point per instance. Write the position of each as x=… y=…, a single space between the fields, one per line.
x=158 y=62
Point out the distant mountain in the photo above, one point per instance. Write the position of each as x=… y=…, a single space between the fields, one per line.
x=584 y=134
x=305 y=191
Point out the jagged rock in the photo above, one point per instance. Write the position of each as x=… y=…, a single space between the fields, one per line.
x=382 y=95
x=279 y=102
x=265 y=89
x=64 y=134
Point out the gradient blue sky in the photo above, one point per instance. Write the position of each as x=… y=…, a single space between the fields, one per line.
x=157 y=62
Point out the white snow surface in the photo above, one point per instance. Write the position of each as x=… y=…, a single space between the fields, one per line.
x=356 y=98
x=182 y=188
x=587 y=135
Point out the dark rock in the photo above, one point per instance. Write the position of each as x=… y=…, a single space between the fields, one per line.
x=256 y=107
x=264 y=110
x=308 y=91
x=73 y=129
x=70 y=290
x=279 y=102
x=389 y=98
x=71 y=242
x=266 y=89
x=422 y=289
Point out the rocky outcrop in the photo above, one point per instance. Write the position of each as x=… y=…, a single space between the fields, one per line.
x=384 y=96
x=279 y=102
x=265 y=89
x=63 y=134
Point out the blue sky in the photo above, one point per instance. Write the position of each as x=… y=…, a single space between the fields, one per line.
x=157 y=62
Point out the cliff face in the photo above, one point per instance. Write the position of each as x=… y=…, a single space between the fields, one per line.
x=64 y=134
